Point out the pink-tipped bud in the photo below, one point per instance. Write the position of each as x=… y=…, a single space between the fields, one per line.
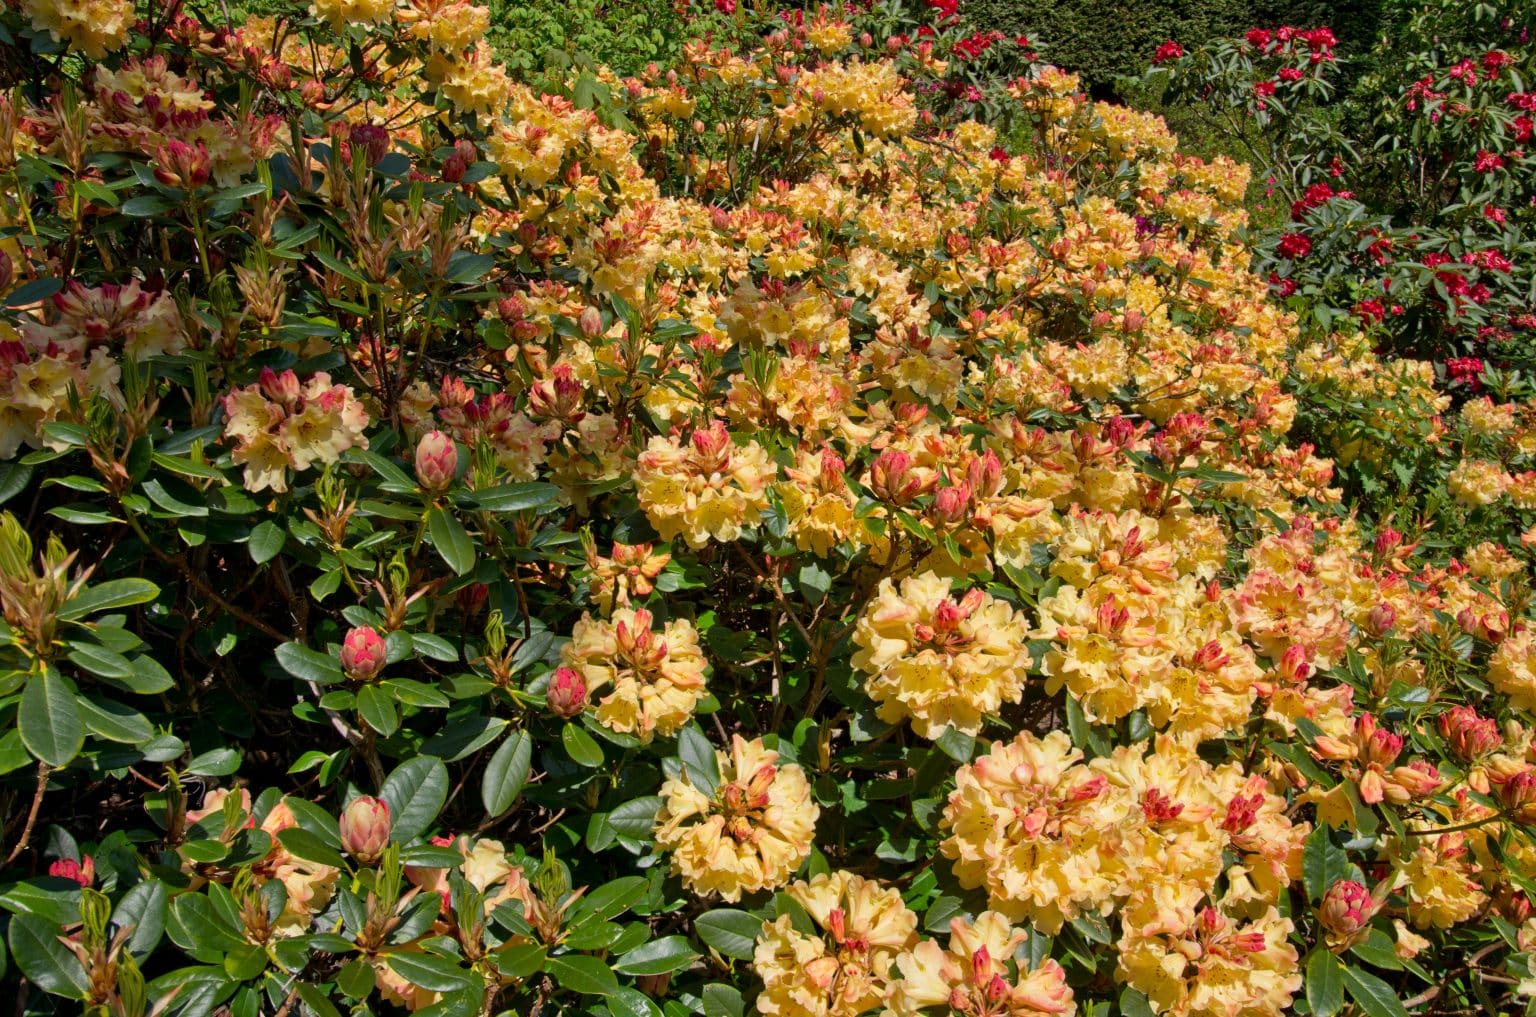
x=1468 y=733
x=892 y=478
x=1382 y=619
x=369 y=139
x=567 y=693
x=365 y=827
x=952 y=505
x=985 y=474
x=362 y=653
x=1377 y=744
x=591 y=322
x=457 y=164
x=1519 y=796
x=1346 y=913
x=437 y=461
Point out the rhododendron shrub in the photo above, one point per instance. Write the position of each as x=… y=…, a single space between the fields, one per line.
x=1405 y=204
x=738 y=538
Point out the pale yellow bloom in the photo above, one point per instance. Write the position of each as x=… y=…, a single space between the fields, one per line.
x=750 y=834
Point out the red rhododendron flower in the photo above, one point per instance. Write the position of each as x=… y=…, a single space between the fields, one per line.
x=1464 y=368
x=1263 y=89
x=1258 y=38
x=1169 y=50
x=1488 y=161
x=1294 y=246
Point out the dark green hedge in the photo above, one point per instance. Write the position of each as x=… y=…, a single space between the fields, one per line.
x=1103 y=39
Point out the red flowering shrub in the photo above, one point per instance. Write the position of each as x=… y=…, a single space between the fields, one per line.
x=743 y=536
x=1430 y=207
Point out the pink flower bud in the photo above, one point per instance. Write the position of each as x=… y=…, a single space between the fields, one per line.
x=1382 y=619
x=1468 y=733
x=365 y=829
x=1346 y=912
x=567 y=693
x=952 y=505
x=437 y=460
x=362 y=654
x=591 y=322
x=1519 y=796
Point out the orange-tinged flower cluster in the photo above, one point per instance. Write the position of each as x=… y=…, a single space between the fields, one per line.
x=976 y=973
x=709 y=488
x=645 y=682
x=845 y=967
x=1200 y=962
x=280 y=425
x=750 y=834
x=936 y=661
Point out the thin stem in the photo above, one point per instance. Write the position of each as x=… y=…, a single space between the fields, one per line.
x=43 y=770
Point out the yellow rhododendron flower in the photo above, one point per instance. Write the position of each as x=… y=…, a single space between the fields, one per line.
x=645 y=682
x=710 y=489
x=751 y=833
x=936 y=661
x=1040 y=831
x=94 y=27
x=844 y=969
x=977 y=974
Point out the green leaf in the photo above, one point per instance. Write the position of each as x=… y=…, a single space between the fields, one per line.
x=146 y=205
x=113 y=593
x=266 y=542
x=506 y=773
x=303 y=844
x=355 y=979
x=1323 y=863
x=733 y=933
x=309 y=665
x=1373 y=995
x=198 y=928
x=511 y=497
x=49 y=718
x=415 y=792
x=45 y=961
x=1325 y=983
x=113 y=721
x=143 y=910
x=580 y=746
x=699 y=759
x=439 y=974
x=32 y=292
x=520 y=960
x=636 y=818
x=721 y=1000
x=378 y=709
x=658 y=957
x=580 y=973
x=627 y=1002
x=215 y=763
x=956 y=744
x=1135 y=1004
x=447 y=534
x=14 y=478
